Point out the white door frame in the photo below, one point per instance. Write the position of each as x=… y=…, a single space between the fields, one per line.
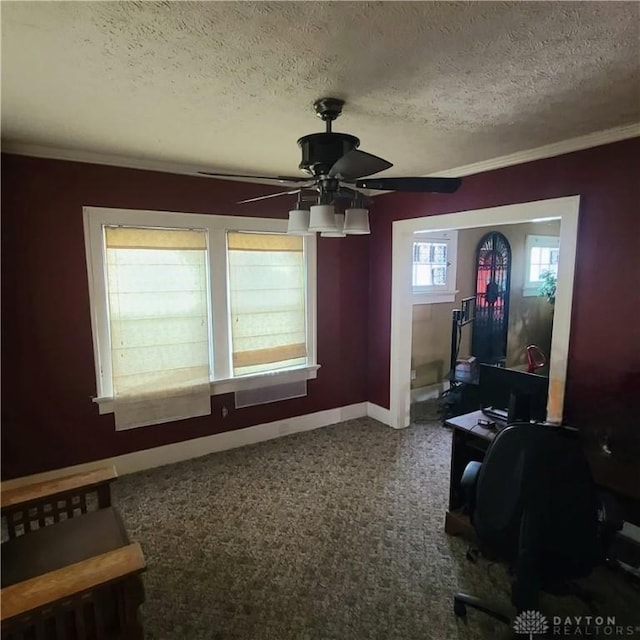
x=401 y=305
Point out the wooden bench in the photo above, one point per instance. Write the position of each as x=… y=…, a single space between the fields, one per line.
x=39 y=504
x=75 y=576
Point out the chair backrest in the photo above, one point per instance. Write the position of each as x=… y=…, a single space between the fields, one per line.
x=540 y=472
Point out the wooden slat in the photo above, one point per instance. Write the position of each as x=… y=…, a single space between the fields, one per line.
x=11 y=524
x=40 y=490
x=60 y=630
x=39 y=628
x=40 y=516
x=51 y=587
x=99 y=622
x=69 y=506
x=81 y=630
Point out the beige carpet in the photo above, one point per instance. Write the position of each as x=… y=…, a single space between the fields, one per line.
x=330 y=534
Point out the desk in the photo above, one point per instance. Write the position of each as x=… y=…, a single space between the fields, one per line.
x=470 y=442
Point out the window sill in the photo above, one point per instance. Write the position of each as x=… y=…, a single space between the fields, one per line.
x=243 y=383
x=433 y=298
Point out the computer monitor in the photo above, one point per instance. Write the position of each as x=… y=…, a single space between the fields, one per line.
x=523 y=395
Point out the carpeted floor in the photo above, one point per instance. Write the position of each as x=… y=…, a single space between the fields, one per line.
x=330 y=534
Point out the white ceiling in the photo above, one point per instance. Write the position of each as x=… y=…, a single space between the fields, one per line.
x=230 y=85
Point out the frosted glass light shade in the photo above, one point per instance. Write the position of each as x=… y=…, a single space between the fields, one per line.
x=356 y=222
x=321 y=218
x=338 y=233
x=299 y=223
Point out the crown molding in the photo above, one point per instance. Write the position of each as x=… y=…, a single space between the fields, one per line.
x=547 y=151
x=113 y=160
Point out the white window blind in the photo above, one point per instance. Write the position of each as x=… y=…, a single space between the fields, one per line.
x=266 y=302
x=157 y=291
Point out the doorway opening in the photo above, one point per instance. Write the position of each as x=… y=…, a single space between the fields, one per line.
x=565 y=210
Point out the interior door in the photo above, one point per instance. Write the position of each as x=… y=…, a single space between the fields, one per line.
x=493 y=283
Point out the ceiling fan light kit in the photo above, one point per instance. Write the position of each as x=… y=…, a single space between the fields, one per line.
x=335 y=167
x=338 y=233
x=322 y=218
x=299 y=223
x=356 y=221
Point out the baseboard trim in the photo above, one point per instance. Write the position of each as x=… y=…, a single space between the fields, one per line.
x=379 y=413
x=179 y=451
x=429 y=392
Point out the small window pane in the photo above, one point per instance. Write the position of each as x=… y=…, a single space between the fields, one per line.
x=534 y=273
x=440 y=275
x=536 y=253
x=542 y=259
x=429 y=264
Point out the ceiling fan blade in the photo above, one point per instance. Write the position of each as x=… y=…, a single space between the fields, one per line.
x=418 y=185
x=271 y=195
x=276 y=178
x=356 y=164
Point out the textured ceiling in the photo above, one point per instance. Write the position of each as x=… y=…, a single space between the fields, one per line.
x=229 y=85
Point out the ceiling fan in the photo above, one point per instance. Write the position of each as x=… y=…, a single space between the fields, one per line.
x=336 y=167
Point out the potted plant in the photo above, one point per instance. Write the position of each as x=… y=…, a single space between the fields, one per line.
x=548 y=285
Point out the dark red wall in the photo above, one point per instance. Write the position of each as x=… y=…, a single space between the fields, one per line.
x=48 y=419
x=603 y=385
x=48 y=376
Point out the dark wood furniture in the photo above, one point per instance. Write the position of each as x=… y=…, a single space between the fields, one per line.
x=69 y=571
x=42 y=503
x=470 y=442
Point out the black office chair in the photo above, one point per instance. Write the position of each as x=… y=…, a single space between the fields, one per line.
x=533 y=503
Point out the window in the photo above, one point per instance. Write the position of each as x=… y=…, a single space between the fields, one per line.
x=542 y=253
x=266 y=296
x=434 y=267
x=156 y=281
x=181 y=299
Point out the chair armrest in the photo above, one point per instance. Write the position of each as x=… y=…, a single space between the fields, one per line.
x=73 y=580
x=468 y=484
x=44 y=491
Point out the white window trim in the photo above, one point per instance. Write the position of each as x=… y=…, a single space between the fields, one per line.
x=435 y=294
x=530 y=288
x=217 y=226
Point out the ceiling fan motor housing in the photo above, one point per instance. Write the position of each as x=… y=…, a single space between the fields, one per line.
x=320 y=151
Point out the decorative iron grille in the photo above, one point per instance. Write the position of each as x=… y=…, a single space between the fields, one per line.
x=493 y=284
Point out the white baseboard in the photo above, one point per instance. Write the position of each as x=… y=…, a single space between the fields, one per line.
x=379 y=413
x=429 y=392
x=178 y=451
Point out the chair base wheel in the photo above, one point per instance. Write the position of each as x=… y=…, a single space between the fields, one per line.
x=461 y=601
x=459 y=609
